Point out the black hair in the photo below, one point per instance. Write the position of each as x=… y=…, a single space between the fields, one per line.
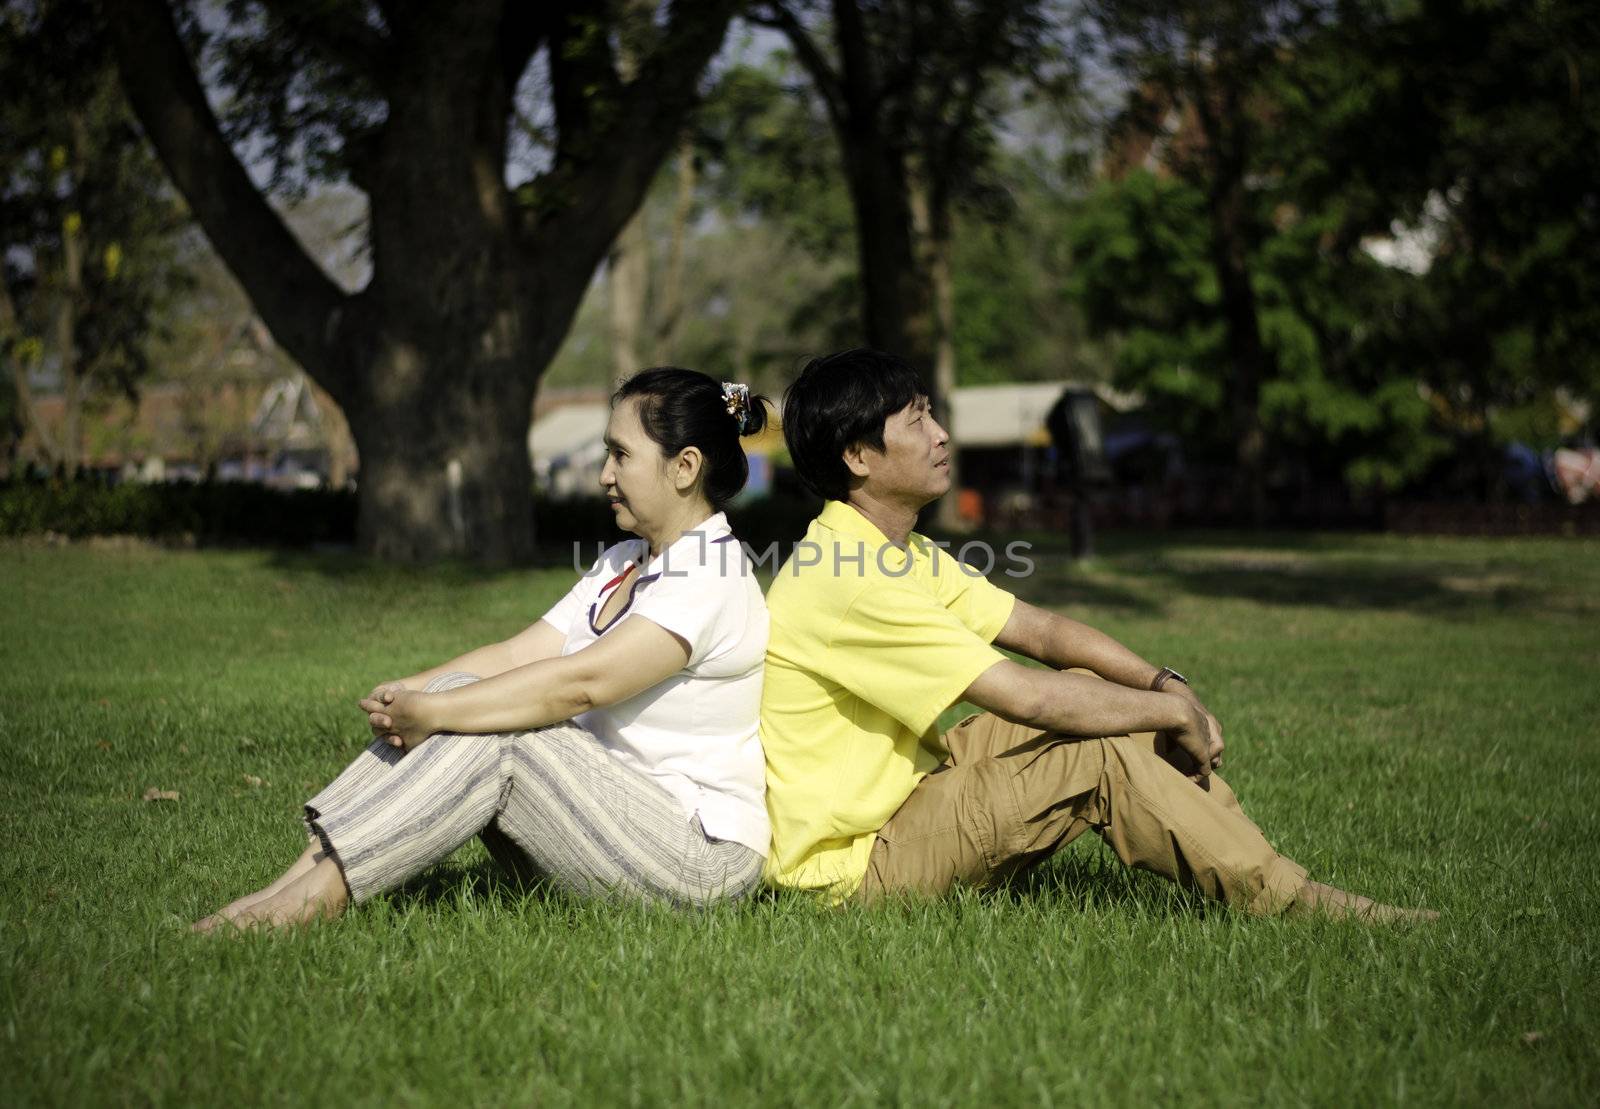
x=684 y=408
x=840 y=401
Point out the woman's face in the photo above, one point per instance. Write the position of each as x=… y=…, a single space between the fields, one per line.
x=636 y=479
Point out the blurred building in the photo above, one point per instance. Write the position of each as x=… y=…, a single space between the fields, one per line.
x=1019 y=445
x=285 y=433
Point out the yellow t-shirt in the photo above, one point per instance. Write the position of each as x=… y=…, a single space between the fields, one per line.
x=869 y=644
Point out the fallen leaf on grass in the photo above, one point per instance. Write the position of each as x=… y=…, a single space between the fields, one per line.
x=154 y=794
x=1531 y=1038
x=253 y=781
x=103 y=745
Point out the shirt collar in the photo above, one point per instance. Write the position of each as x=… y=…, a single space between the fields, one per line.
x=848 y=520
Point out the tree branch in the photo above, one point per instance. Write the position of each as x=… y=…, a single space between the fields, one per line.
x=339 y=32
x=583 y=80
x=625 y=145
x=297 y=301
x=812 y=59
x=523 y=28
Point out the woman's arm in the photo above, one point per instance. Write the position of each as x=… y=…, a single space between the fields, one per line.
x=626 y=661
x=538 y=640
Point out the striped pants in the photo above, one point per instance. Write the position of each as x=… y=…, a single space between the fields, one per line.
x=552 y=803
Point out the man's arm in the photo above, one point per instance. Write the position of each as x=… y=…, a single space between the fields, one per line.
x=1080 y=705
x=1061 y=642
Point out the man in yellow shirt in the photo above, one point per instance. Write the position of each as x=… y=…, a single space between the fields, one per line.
x=876 y=631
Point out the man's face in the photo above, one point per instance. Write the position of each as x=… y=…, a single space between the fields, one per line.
x=914 y=465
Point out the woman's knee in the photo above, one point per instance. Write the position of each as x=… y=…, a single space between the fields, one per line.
x=453 y=680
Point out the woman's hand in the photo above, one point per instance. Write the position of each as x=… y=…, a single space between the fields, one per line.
x=381 y=688
x=401 y=717
x=383 y=693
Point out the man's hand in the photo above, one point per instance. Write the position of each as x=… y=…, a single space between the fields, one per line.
x=1214 y=729
x=1194 y=739
x=401 y=717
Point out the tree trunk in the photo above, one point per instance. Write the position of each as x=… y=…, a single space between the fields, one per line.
x=669 y=320
x=436 y=361
x=931 y=218
x=1227 y=204
x=444 y=473
x=627 y=284
x=71 y=297
x=1247 y=355
x=896 y=298
x=897 y=311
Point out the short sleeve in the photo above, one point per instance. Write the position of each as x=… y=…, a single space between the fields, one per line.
x=568 y=608
x=977 y=602
x=906 y=653
x=692 y=606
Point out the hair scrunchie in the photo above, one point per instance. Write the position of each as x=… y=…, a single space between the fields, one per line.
x=737 y=399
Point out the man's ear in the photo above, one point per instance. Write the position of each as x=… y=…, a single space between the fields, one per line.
x=855 y=459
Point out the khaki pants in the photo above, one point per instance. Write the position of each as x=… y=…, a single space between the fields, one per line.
x=1009 y=796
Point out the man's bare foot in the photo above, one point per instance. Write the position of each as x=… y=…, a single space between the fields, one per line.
x=318 y=894
x=1325 y=900
x=308 y=859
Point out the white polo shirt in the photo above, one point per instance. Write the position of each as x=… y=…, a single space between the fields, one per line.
x=696 y=732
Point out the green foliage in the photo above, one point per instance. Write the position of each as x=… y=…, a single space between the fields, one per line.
x=1455 y=131
x=75 y=169
x=243 y=512
x=205 y=511
x=1469 y=129
x=769 y=154
x=1339 y=396
x=1009 y=265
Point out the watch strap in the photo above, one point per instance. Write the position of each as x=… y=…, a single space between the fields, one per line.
x=1165 y=674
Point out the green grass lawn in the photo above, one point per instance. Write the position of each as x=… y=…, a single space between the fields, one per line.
x=1412 y=719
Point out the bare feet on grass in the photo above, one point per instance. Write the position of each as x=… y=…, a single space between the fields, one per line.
x=1316 y=898
x=308 y=859
x=318 y=893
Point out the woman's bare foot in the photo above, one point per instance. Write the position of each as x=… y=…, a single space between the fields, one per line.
x=1325 y=900
x=308 y=859
x=311 y=888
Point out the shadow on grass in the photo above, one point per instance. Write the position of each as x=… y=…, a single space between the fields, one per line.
x=1269 y=569
x=1072 y=881
x=1087 y=881
x=1435 y=591
x=447 y=885
x=1063 y=588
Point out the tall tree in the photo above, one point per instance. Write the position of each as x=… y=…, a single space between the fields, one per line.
x=909 y=87
x=90 y=233
x=1451 y=139
x=475 y=280
x=1197 y=67
x=1472 y=134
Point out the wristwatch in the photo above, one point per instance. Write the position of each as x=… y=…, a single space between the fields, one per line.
x=1163 y=675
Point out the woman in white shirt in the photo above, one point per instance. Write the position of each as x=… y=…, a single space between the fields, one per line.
x=611 y=746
